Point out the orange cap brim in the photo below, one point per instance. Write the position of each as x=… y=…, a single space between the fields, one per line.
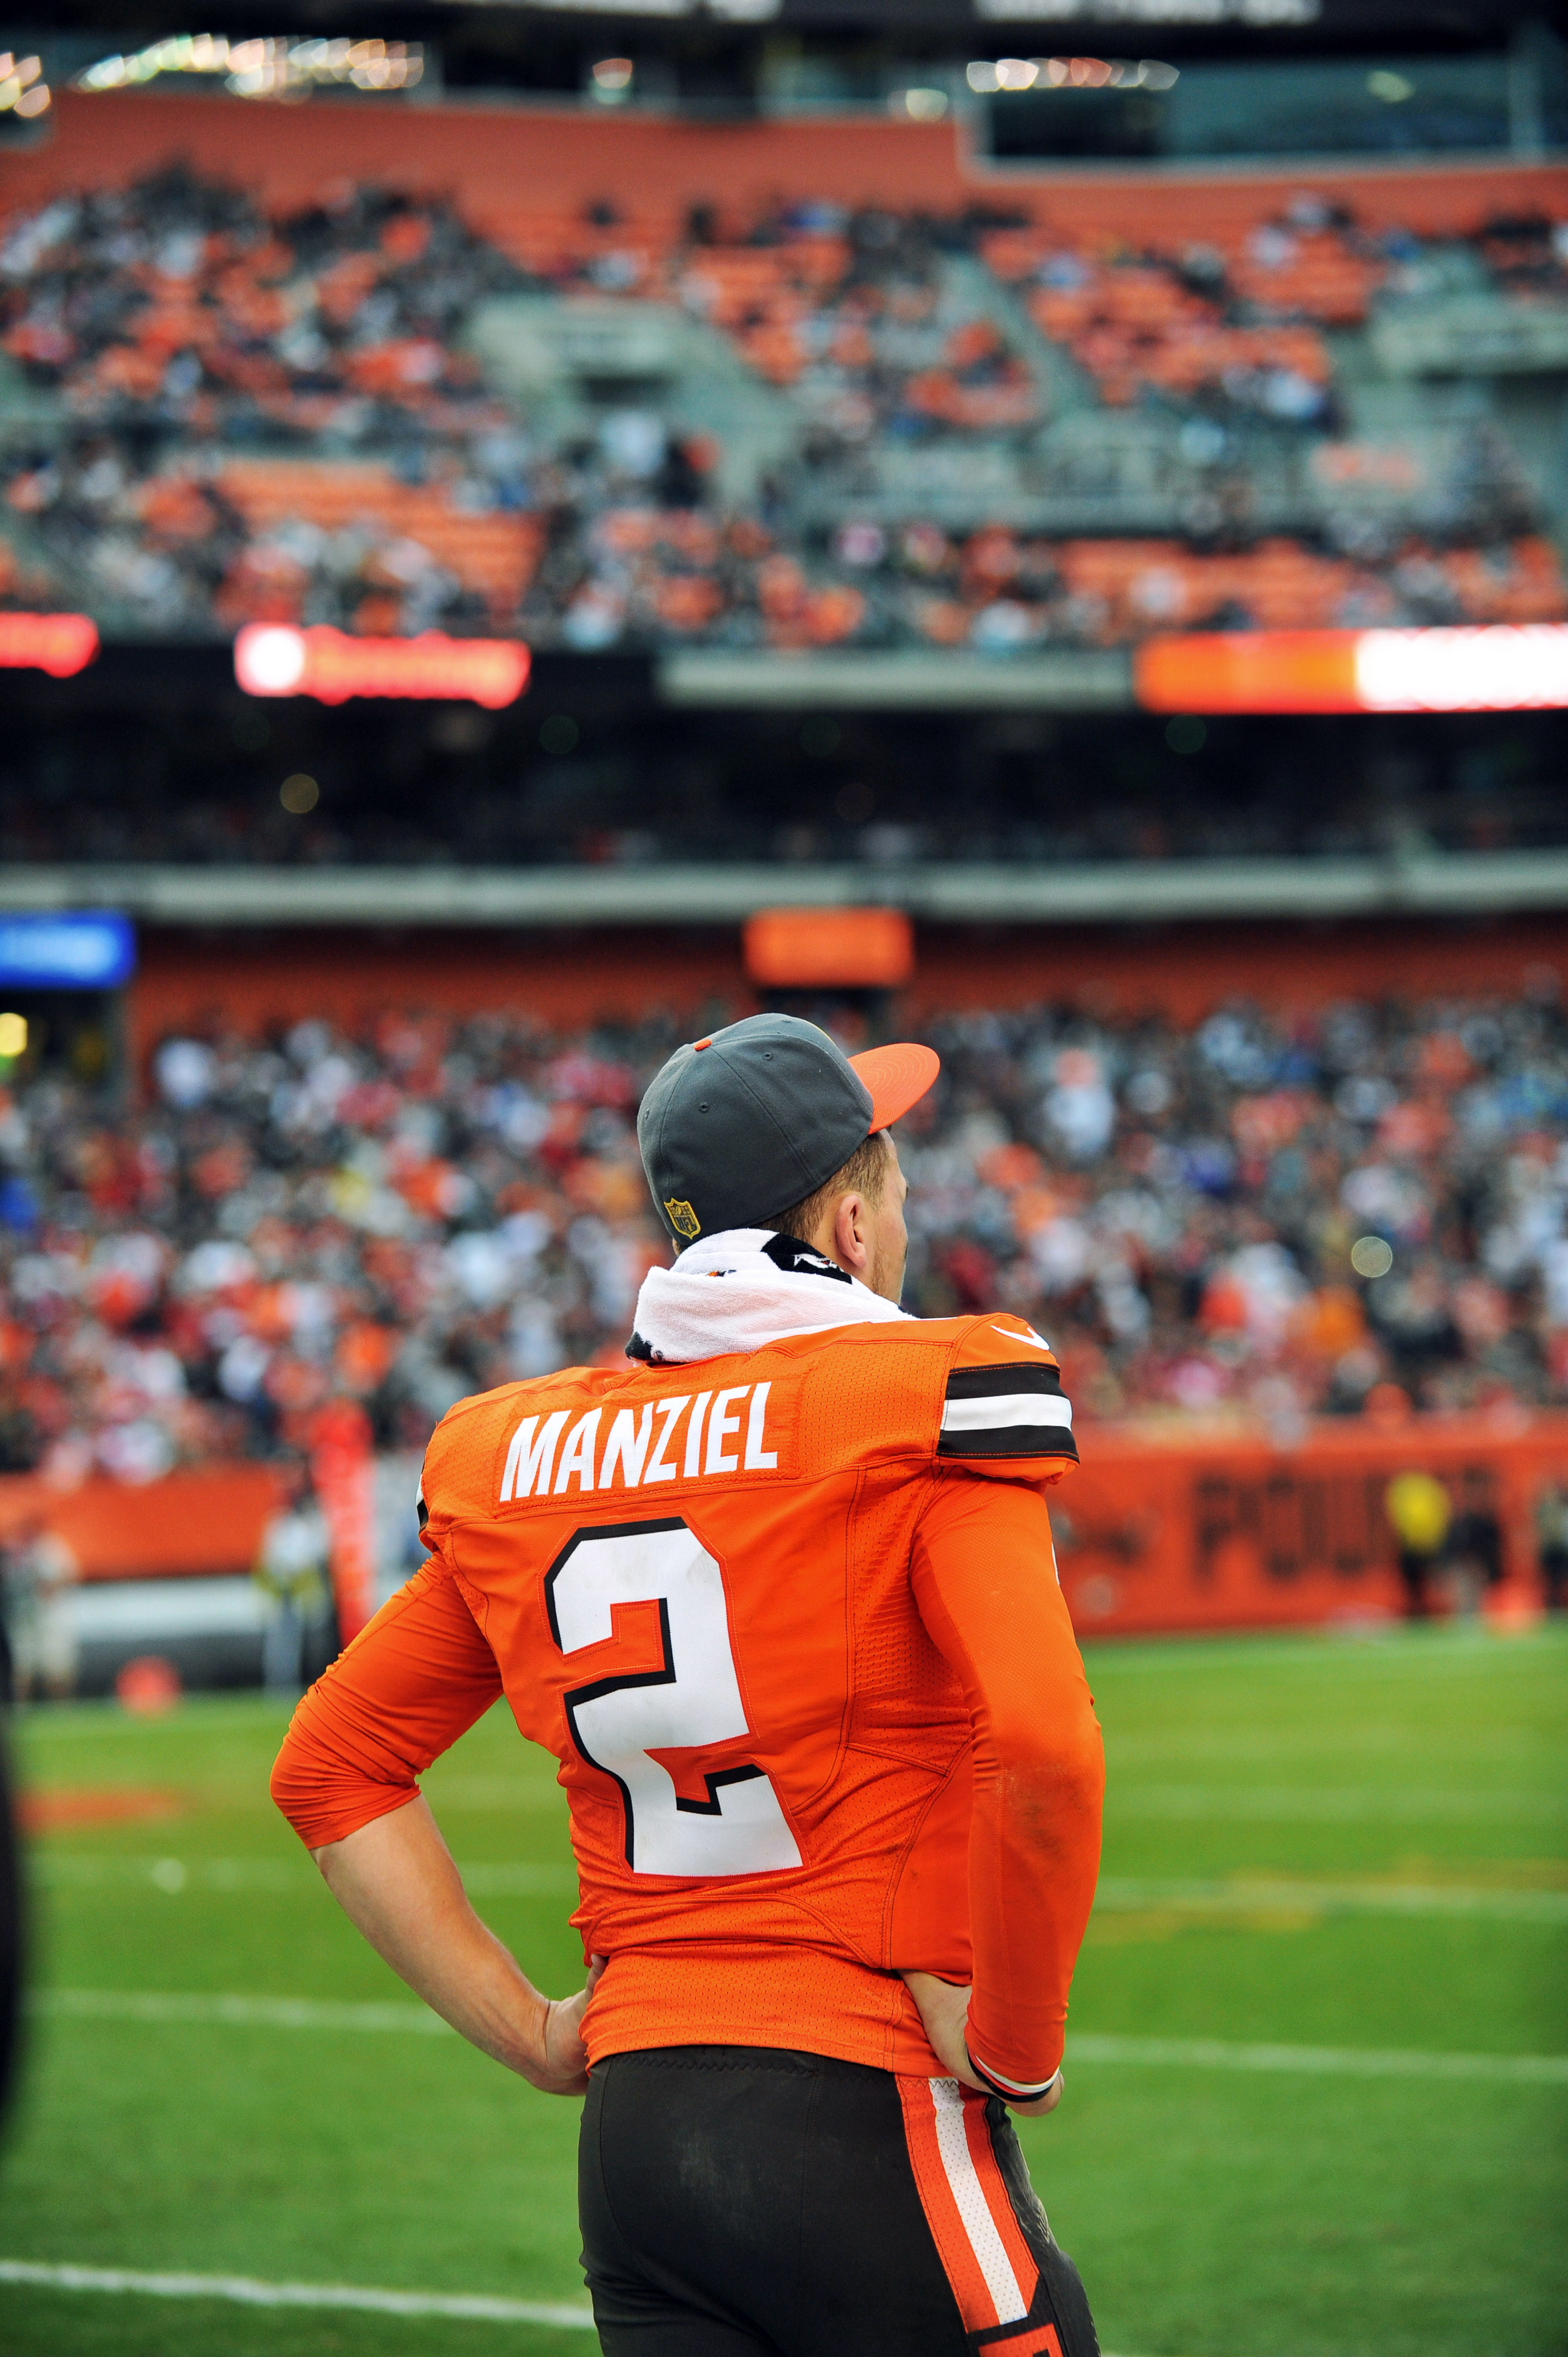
x=897 y=1078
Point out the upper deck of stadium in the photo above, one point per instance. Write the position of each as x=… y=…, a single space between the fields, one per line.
x=836 y=414
x=717 y=390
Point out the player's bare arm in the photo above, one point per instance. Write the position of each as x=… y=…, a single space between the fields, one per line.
x=397 y=1882
x=354 y=1797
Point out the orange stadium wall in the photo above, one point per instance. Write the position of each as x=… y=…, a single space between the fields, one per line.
x=1160 y=1529
x=188 y=1525
x=248 y=983
x=1183 y=971
x=557 y=160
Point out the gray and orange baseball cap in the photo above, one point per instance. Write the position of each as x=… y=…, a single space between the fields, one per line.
x=736 y=1127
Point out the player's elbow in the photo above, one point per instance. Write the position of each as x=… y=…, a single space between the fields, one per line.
x=1059 y=1731
x=295 y=1782
x=326 y=1792
x=310 y=1782
x=1052 y=1765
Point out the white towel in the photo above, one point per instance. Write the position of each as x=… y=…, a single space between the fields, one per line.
x=741 y=1290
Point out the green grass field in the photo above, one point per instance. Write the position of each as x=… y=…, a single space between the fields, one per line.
x=1353 y=1852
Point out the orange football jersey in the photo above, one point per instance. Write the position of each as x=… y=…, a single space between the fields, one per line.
x=780 y=1618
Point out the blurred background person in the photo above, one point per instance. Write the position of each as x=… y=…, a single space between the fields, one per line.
x=40 y=1573
x=8 y=1666
x=291 y=1571
x=1473 y=1553
x=1419 y=1513
x=1551 y=1543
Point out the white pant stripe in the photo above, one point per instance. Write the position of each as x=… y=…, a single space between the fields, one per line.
x=964 y=2181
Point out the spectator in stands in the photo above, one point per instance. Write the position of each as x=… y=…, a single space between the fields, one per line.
x=184 y=332
x=432 y=1207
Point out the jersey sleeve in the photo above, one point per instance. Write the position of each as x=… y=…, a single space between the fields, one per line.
x=412 y=1681
x=984 y=1581
x=1004 y=1409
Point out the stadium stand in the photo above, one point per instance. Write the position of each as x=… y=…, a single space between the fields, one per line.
x=797 y=423
x=436 y=1205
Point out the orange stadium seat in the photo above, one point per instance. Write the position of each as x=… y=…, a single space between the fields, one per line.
x=495 y=556
x=1317 y=278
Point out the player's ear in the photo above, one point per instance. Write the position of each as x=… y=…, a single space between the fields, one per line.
x=851 y=1245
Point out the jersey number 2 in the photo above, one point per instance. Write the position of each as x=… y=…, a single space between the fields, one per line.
x=693 y=1702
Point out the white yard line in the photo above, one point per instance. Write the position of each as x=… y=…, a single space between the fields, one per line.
x=1160 y=2053
x=250 y=2293
x=234 y=2012
x=246 y=1877
x=1331 y=1804
x=1326 y=2062
x=1125 y=1894
x=476 y=2305
x=289 y=1878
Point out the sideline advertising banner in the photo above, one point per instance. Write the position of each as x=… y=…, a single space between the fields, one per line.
x=1162 y=1528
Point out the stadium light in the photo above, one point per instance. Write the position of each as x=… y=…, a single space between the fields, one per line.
x=1506 y=667
x=61 y=644
x=612 y=79
x=275 y=659
x=985 y=76
x=919 y=104
x=653 y=8
x=1497 y=667
x=265 y=68
x=1205 y=13
x=23 y=89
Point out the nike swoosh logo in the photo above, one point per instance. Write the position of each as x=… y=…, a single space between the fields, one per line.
x=1031 y=1337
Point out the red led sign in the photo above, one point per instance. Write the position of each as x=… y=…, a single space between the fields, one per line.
x=61 y=644
x=275 y=659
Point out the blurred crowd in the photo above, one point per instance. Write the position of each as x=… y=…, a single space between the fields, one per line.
x=176 y=302
x=177 y=327
x=1362 y=1212
x=174 y=327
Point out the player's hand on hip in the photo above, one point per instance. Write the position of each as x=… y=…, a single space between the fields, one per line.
x=944 y=2015
x=562 y=2066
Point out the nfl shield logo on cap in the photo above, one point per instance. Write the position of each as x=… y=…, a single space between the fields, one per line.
x=741 y=1125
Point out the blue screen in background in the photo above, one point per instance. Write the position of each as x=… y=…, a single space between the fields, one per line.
x=92 y=949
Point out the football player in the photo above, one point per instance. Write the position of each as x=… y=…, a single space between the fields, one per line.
x=781 y=1599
